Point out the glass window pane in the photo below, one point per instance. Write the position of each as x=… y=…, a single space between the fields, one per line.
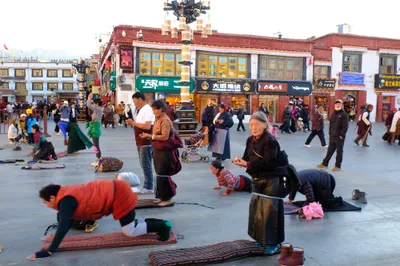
x=169 y=57
x=242 y=60
x=156 y=56
x=213 y=59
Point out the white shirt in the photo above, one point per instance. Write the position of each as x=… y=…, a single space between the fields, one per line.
x=144 y=115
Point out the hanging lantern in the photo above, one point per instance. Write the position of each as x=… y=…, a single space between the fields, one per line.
x=204 y=33
x=167 y=25
x=208 y=29
x=199 y=24
x=185 y=53
x=182 y=23
x=185 y=73
x=174 y=33
x=163 y=31
x=186 y=35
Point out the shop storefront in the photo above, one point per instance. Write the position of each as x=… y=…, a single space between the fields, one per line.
x=70 y=97
x=162 y=88
x=233 y=93
x=20 y=95
x=277 y=94
x=323 y=94
x=387 y=89
x=352 y=91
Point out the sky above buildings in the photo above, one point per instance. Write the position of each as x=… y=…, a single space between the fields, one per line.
x=69 y=28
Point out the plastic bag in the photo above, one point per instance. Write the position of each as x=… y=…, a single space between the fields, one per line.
x=130 y=178
x=312 y=211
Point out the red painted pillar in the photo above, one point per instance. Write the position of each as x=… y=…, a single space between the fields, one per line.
x=331 y=104
x=392 y=102
x=362 y=100
x=379 y=106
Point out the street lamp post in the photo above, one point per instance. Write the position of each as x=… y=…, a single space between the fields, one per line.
x=82 y=69
x=186 y=12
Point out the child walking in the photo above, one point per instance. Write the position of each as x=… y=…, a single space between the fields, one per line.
x=227 y=179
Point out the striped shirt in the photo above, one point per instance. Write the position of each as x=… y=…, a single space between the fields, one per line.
x=228 y=179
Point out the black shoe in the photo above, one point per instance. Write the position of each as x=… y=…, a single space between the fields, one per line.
x=238 y=130
x=356 y=142
x=365 y=145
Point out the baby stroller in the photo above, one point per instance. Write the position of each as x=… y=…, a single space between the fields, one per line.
x=191 y=152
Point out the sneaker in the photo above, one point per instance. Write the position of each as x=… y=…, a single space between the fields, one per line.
x=362 y=198
x=335 y=169
x=307 y=145
x=146 y=191
x=325 y=147
x=91 y=227
x=322 y=166
x=59 y=134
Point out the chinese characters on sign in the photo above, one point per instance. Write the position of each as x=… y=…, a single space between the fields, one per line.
x=272 y=87
x=387 y=81
x=154 y=84
x=225 y=85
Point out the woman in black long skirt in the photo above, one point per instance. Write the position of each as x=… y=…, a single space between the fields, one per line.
x=267 y=165
x=166 y=162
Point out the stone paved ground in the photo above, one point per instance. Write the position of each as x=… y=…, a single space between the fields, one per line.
x=367 y=238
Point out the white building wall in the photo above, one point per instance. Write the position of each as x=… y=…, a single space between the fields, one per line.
x=254 y=66
x=370 y=67
x=28 y=66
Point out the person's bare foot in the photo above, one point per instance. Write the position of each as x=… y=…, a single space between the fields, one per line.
x=165 y=203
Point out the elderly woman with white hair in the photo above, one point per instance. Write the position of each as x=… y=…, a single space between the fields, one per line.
x=270 y=170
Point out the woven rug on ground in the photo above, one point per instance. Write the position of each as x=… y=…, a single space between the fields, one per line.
x=346 y=207
x=107 y=240
x=216 y=253
x=149 y=203
x=43 y=166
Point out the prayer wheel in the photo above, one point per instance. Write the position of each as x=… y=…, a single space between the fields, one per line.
x=182 y=23
x=199 y=24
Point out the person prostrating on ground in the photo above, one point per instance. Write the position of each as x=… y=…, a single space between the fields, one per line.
x=227 y=179
x=83 y=202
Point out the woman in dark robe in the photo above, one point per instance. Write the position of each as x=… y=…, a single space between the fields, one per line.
x=166 y=162
x=223 y=120
x=77 y=140
x=268 y=167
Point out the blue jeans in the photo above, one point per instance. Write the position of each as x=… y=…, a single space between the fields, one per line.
x=145 y=159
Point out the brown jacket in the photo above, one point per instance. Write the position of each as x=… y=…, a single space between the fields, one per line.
x=318 y=122
x=162 y=128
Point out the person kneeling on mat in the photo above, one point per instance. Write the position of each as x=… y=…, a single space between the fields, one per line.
x=229 y=180
x=93 y=200
x=317 y=186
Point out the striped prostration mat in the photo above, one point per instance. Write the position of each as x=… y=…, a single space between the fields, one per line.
x=106 y=240
x=216 y=253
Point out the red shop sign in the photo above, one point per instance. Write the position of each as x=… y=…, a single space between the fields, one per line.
x=272 y=87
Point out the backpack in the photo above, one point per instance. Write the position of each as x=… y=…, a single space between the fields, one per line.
x=109 y=164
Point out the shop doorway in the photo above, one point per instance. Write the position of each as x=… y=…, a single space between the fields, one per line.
x=271 y=103
x=321 y=100
x=204 y=101
x=350 y=105
x=239 y=101
x=386 y=107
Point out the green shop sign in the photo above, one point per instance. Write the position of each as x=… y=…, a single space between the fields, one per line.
x=113 y=80
x=161 y=84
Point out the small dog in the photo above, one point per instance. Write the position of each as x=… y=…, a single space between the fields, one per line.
x=300 y=124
